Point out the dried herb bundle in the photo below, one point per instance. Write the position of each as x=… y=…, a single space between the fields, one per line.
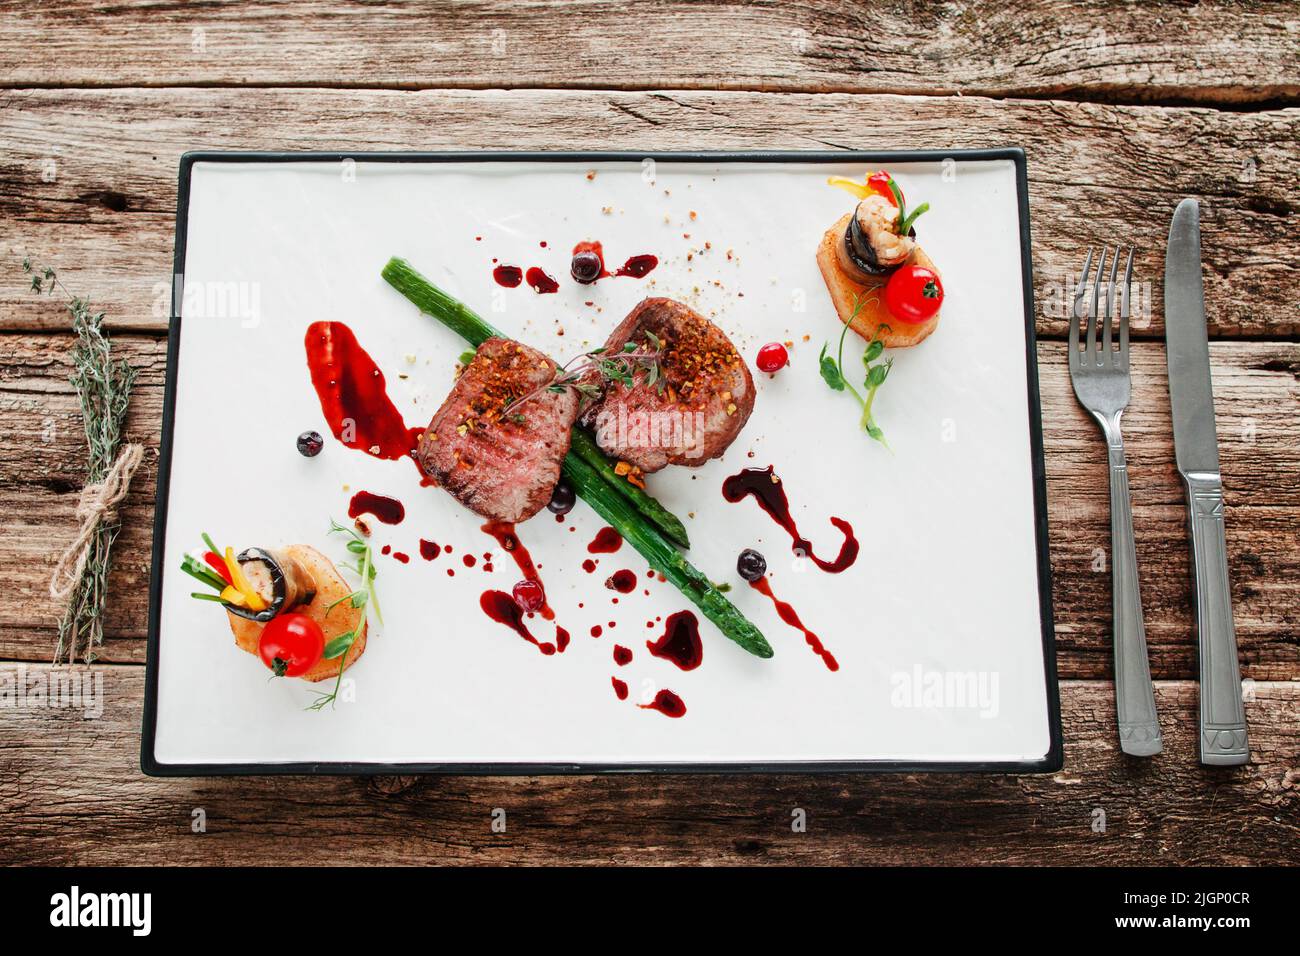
x=104 y=388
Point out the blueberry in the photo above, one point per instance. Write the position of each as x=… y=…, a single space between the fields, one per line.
x=562 y=499
x=585 y=267
x=310 y=444
x=751 y=565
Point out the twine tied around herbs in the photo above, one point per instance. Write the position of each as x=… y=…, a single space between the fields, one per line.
x=98 y=504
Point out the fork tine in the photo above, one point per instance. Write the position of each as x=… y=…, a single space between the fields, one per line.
x=1124 y=310
x=1094 y=317
x=1109 y=318
x=1074 y=312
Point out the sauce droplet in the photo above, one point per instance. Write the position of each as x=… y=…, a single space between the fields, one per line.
x=638 y=267
x=624 y=582
x=787 y=613
x=508 y=276
x=504 y=533
x=680 y=642
x=429 y=550
x=540 y=281
x=667 y=703
x=767 y=489
x=607 y=541
x=388 y=510
x=620 y=688
x=501 y=607
x=622 y=655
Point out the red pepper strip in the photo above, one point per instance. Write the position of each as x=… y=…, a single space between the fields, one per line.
x=880 y=183
x=219 y=565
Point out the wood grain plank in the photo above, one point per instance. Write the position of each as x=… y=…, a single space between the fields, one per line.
x=1215 y=52
x=87 y=179
x=71 y=793
x=1256 y=388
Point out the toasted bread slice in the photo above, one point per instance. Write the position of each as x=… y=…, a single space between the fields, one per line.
x=330 y=587
x=873 y=313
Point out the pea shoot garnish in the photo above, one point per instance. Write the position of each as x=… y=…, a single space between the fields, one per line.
x=362 y=597
x=832 y=372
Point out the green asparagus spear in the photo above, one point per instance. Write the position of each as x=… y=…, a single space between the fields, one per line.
x=584 y=446
x=465 y=322
x=663 y=557
x=596 y=483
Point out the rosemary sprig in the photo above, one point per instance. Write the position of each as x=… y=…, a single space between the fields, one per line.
x=103 y=389
x=363 y=596
x=832 y=372
x=618 y=367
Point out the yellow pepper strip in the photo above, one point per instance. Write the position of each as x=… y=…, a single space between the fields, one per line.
x=251 y=597
x=231 y=595
x=861 y=190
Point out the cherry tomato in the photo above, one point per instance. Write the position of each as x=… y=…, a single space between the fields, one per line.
x=879 y=183
x=291 y=644
x=772 y=357
x=914 y=293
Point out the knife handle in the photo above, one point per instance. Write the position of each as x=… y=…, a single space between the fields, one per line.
x=1135 y=702
x=1223 y=717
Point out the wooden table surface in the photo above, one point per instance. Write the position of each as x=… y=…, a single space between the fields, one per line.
x=1123 y=109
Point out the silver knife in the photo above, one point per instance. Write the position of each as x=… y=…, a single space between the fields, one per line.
x=1223 y=718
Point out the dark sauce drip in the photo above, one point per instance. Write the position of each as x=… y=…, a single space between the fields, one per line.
x=624 y=582
x=787 y=613
x=402 y=557
x=469 y=560
x=667 y=703
x=561 y=638
x=429 y=550
x=386 y=549
x=501 y=607
x=504 y=532
x=540 y=281
x=620 y=688
x=680 y=641
x=768 y=490
x=638 y=267
x=622 y=655
x=589 y=565
x=353 y=394
x=388 y=510
x=508 y=276
x=607 y=541
x=597 y=630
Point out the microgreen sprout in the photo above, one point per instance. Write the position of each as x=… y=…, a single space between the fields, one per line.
x=832 y=372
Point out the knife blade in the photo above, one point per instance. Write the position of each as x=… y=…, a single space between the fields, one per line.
x=1196 y=449
x=1187 y=349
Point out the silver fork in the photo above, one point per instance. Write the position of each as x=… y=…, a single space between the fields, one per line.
x=1100 y=375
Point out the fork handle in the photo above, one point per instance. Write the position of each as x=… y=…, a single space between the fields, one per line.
x=1223 y=717
x=1135 y=702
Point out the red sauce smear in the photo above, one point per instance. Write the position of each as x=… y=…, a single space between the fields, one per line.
x=622 y=655
x=541 y=282
x=607 y=541
x=388 y=510
x=508 y=276
x=787 y=614
x=620 y=688
x=638 y=267
x=667 y=703
x=680 y=641
x=504 y=532
x=623 y=581
x=769 y=492
x=501 y=607
x=353 y=394
x=429 y=550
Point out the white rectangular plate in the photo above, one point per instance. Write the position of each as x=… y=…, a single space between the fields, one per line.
x=942 y=629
